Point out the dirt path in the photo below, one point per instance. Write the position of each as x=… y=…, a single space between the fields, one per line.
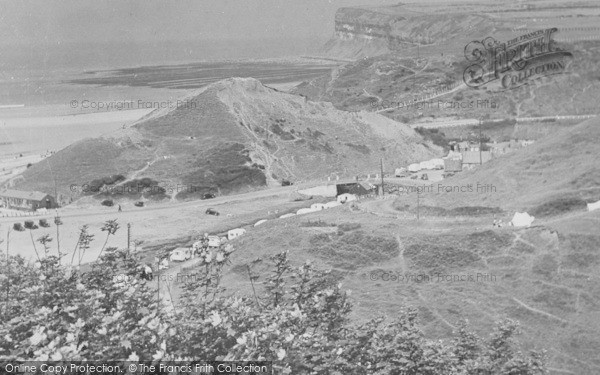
x=540 y=312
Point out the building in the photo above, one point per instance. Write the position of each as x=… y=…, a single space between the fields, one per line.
x=356 y=188
x=26 y=200
x=452 y=165
x=472 y=158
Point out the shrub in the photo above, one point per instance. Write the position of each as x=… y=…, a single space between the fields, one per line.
x=559 y=206
x=44 y=223
x=435 y=136
x=346 y=227
x=302 y=325
x=316 y=223
x=439 y=258
x=353 y=250
x=18 y=227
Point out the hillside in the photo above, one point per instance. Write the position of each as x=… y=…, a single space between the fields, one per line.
x=391 y=83
x=228 y=137
x=547 y=280
x=557 y=168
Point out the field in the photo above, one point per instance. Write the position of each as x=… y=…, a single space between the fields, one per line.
x=450 y=268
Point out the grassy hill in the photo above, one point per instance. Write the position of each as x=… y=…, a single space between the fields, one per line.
x=231 y=136
x=544 y=277
x=389 y=83
x=557 y=174
x=455 y=265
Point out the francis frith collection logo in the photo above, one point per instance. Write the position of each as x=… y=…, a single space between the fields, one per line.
x=514 y=63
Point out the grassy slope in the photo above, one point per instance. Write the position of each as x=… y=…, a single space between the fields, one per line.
x=545 y=279
x=561 y=165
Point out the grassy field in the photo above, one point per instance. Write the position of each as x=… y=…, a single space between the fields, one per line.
x=450 y=269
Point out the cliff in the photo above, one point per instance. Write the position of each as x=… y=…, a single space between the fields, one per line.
x=362 y=31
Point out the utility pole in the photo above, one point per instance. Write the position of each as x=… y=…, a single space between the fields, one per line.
x=7 y=275
x=158 y=287
x=381 y=165
x=480 y=147
x=128 y=236
x=418 y=203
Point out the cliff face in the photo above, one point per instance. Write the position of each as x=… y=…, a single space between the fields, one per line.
x=367 y=32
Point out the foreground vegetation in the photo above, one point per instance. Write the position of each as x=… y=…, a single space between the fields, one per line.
x=296 y=317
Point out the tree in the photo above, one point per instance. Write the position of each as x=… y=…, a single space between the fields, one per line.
x=111 y=312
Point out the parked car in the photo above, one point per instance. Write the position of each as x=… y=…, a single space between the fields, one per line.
x=212 y=211
x=108 y=203
x=208 y=196
x=181 y=254
x=139 y=204
x=286 y=183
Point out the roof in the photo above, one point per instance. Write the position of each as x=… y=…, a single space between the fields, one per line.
x=472 y=157
x=30 y=195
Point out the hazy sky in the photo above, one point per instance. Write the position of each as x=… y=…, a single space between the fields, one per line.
x=53 y=21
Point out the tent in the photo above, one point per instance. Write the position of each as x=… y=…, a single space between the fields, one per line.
x=260 y=222
x=593 y=206
x=303 y=211
x=522 y=219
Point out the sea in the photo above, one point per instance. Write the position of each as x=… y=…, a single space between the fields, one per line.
x=36 y=110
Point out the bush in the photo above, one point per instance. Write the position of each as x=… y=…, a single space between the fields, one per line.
x=346 y=227
x=95 y=186
x=18 y=227
x=353 y=250
x=559 y=206
x=44 y=223
x=301 y=325
x=435 y=136
x=316 y=223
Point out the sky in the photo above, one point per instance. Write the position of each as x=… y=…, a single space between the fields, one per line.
x=64 y=21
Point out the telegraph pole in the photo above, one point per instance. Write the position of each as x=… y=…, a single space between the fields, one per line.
x=381 y=165
x=418 y=203
x=7 y=275
x=128 y=236
x=480 y=140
